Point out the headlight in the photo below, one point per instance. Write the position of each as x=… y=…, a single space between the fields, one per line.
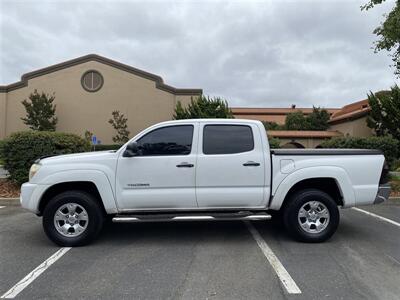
x=33 y=170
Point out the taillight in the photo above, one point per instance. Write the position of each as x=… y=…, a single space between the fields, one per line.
x=385 y=174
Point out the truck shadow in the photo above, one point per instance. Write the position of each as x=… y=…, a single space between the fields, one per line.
x=184 y=232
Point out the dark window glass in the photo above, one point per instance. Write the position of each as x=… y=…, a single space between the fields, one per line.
x=92 y=81
x=172 y=140
x=227 y=139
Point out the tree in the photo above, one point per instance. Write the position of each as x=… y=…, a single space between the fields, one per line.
x=88 y=136
x=40 y=112
x=203 y=108
x=384 y=116
x=296 y=121
x=318 y=119
x=119 y=123
x=388 y=33
x=273 y=126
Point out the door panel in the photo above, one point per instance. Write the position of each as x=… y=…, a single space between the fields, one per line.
x=230 y=179
x=159 y=178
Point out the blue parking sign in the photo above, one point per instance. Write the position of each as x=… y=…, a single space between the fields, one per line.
x=94 y=140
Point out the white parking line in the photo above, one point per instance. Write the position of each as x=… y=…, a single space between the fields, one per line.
x=377 y=216
x=280 y=270
x=27 y=280
x=2 y=206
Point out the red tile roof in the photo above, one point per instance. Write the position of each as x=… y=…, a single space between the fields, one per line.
x=351 y=111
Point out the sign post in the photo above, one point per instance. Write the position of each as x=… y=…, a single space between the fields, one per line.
x=94 y=142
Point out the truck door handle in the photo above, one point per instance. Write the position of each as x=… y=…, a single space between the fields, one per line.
x=185 y=165
x=251 y=164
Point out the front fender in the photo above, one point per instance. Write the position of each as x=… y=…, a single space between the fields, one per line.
x=99 y=179
x=337 y=173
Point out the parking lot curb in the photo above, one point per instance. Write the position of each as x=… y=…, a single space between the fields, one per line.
x=393 y=200
x=9 y=202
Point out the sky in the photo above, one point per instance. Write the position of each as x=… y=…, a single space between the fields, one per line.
x=252 y=53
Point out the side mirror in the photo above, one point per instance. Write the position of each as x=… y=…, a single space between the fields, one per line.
x=131 y=150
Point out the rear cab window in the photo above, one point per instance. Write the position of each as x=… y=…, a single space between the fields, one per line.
x=227 y=139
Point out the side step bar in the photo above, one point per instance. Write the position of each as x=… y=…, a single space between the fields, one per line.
x=191 y=217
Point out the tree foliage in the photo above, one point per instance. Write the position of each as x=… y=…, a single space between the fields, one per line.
x=388 y=145
x=273 y=126
x=317 y=120
x=40 y=112
x=388 y=33
x=274 y=143
x=384 y=116
x=296 y=121
x=119 y=123
x=203 y=107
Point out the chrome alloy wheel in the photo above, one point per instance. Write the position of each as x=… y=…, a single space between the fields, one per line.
x=71 y=220
x=313 y=217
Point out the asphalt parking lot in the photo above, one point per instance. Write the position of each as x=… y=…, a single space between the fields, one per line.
x=205 y=260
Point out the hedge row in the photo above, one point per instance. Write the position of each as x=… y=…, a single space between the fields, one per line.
x=102 y=147
x=389 y=146
x=1 y=151
x=274 y=143
x=21 y=149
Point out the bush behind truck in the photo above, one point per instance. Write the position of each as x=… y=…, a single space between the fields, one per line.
x=21 y=149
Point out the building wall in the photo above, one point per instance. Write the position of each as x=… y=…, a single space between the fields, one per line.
x=3 y=105
x=279 y=119
x=78 y=110
x=356 y=128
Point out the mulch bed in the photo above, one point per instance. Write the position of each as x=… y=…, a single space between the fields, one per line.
x=8 y=189
x=395 y=188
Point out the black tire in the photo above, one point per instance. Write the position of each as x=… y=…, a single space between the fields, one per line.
x=93 y=226
x=293 y=206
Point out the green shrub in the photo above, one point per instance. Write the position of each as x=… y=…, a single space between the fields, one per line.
x=388 y=145
x=21 y=149
x=1 y=156
x=274 y=143
x=102 y=147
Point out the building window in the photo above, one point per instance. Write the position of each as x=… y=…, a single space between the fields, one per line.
x=92 y=81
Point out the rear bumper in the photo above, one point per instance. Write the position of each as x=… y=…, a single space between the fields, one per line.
x=383 y=193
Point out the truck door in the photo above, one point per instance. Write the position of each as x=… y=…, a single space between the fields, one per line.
x=162 y=176
x=230 y=169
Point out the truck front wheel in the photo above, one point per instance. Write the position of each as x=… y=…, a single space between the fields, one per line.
x=72 y=218
x=311 y=216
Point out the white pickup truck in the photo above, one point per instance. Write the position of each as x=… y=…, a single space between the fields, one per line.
x=206 y=169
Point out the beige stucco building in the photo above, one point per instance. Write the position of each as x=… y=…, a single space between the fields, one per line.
x=87 y=90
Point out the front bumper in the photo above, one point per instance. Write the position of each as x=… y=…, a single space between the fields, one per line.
x=31 y=194
x=383 y=193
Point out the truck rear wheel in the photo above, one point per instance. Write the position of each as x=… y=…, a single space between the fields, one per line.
x=72 y=218
x=311 y=216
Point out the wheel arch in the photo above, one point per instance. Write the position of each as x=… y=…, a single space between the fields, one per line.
x=332 y=180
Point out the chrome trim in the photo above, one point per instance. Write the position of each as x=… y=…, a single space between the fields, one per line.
x=158 y=218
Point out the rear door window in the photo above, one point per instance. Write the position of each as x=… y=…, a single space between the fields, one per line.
x=227 y=139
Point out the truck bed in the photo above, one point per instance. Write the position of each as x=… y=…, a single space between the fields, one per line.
x=326 y=152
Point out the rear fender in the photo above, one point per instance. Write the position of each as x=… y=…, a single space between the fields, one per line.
x=338 y=174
